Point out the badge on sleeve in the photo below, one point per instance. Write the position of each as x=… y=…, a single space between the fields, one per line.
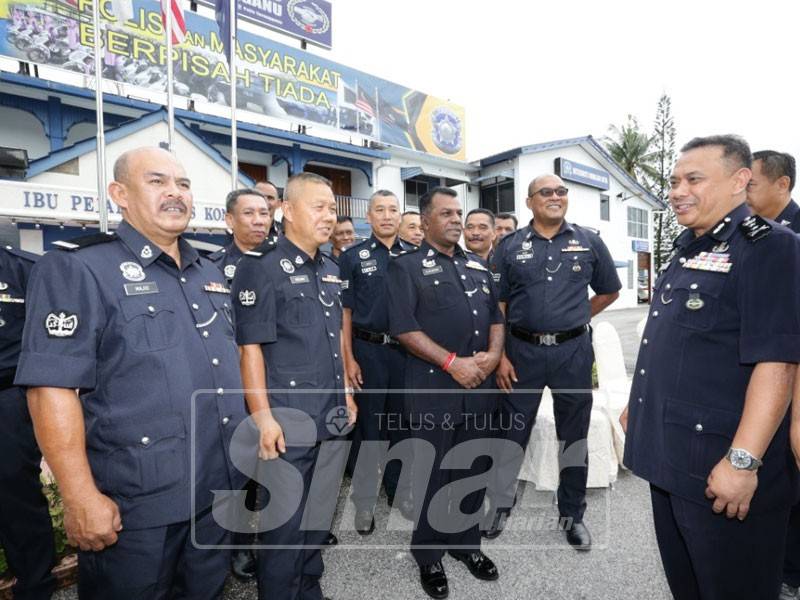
x=132 y=271
x=247 y=298
x=287 y=265
x=230 y=271
x=146 y=252
x=61 y=324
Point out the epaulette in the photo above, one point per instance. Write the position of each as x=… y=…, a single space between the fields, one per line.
x=265 y=247
x=754 y=227
x=587 y=228
x=410 y=250
x=29 y=256
x=215 y=255
x=85 y=241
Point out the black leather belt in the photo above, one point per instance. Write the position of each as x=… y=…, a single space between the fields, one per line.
x=375 y=338
x=546 y=339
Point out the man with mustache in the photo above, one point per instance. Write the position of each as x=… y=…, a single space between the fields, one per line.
x=137 y=322
x=288 y=327
x=248 y=217
x=443 y=309
x=707 y=420
x=543 y=271
x=479 y=234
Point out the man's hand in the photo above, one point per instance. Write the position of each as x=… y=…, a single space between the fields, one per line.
x=352 y=409
x=466 y=372
x=353 y=370
x=731 y=489
x=271 y=443
x=506 y=375
x=487 y=362
x=92 y=521
x=623 y=419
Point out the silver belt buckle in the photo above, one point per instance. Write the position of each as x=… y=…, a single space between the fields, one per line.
x=548 y=339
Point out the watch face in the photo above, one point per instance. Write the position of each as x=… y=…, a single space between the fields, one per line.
x=741 y=459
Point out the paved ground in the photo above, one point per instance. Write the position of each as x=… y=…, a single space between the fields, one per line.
x=534 y=559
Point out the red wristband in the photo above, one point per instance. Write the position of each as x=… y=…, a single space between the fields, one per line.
x=448 y=361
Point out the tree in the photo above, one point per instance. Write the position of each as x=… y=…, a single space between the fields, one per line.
x=632 y=149
x=666 y=227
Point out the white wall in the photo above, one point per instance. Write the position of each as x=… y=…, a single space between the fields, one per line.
x=22 y=130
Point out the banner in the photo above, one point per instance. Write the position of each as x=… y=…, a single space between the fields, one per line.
x=271 y=78
x=309 y=20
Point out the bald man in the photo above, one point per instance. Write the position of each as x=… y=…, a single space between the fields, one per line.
x=137 y=321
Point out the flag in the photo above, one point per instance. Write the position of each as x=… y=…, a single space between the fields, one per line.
x=222 y=13
x=364 y=103
x=122 y=9
x=178 y=22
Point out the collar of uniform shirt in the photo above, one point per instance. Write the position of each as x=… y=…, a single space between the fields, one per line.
x=379 y=244
x=788 y=213
x=138 y=244
x=721 y=232
x=425 y=247
x=285 y=244
x=564 y=228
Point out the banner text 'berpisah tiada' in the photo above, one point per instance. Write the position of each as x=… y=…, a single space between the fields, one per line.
x=272 y=78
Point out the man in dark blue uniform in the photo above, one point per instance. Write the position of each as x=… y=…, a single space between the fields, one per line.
x=769 y=195
x=410 y=230
x=443 y=309
x=26 y=533
x=288 y=326
x=138 y=322
x=707 y=420
x=274 y=202
x=544 y=270
x=373 y=359
x=247 y=216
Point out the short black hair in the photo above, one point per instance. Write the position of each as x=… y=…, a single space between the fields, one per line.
x=343 y=219
x=511 y=216
x=233 y=197
x=427 y=197
x=481 y=211
x=267 y=181
x=734 y=148
x=410 y=212
x=776 y=164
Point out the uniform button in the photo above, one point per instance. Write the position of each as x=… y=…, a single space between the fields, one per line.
x=322 y=292
x=655 y=314
x=338 y=377
x=549 y=258
x=727 y=219
x=292 y=383
x=693 y=286
x=640 y=400
x=225 y=420
x=195 y=307
x=431 y=371
x=215 y=361
x=455 y=261
x=302 y=295
x=463 y=277
x=549 y=241
x=549 y=278
x=477 y=332
x=335 y=355
x=183 y=279
x=330 y=334
x=220 y=391
x=668 y=286
x=225 y=304
x=645 y=342
x=145 y=441
x=205 y=334
x=436 y=282
x=474 y=312
x=151 y=308
x=327 y=314
x=698 y=428
x=642 y=372
x=682 y=260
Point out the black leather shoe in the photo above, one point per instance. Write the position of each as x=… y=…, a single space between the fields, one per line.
x=497 y=526
x=434 y=580
x=364 y=522
x=243 y=564
x=480 y=565
x=331 y=540
x=579 y=537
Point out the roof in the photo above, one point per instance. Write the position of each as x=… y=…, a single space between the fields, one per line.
x=59 y=157
x=593 y=147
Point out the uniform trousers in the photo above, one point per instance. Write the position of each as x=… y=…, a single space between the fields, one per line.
x=707 y=556
x=26 y=531
x=791 y=564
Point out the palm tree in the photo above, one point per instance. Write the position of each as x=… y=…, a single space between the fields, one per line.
x=633 y=150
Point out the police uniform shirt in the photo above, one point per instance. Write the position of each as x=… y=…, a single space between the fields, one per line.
x=790 y=216
x=118 y=319
x=290 y=304
x=544 y=281
x=728 y=299
x=363 y=273
x=452 y=301
x=15 y=268
x=226 y=259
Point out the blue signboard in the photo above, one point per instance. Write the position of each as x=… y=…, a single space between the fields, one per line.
x=309 y=20
x=572 y=171
x=640 y=246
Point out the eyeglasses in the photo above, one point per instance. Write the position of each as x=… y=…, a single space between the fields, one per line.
x=548 y=192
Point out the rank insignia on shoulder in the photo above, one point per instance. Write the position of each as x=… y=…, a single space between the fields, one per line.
x=61 y=324
x=754 y=227
x=216 y=288
x=85 y=241
x=474 y=264
x=254 y=253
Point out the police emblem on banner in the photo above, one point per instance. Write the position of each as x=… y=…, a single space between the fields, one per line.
x=132 y=271
x=247 y=297
x=446 y=130
x=308 y=16
x=61 y=324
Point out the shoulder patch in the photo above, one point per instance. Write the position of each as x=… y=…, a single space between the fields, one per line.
x=263 y=249
x=29 y=256
x=754 y=227
x=85 y=241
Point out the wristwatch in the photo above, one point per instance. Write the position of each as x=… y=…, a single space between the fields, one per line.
x=742 y=460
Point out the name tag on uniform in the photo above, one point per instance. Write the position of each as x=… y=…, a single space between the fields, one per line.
x=371 y=269
x=525 y=256
x=8 y=298
x=217 y=287
x=299 y=278
x=473 y=264
x=432 y=270
x=575 y=249
x=139 y=289
x=331 y=279
x=496 y=277
x=369 y=263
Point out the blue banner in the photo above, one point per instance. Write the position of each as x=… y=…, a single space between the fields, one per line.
x=572 y=171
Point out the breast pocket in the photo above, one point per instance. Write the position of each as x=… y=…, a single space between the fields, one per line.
x=301 y=305
x=222 y=306
x=696 y=300
x=440 y=295
x=150 y=323
x=579 y=266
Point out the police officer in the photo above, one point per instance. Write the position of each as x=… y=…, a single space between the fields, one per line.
x=706 y=421
x=479 y=233
x=137 y=322
x=504 y=223
x=248 y=217
x=544 y=270
x=26 y=532
x=410 y=230
x=769 y=195
x=374 y=360
x=288 y=326
x=443 y=309
x=274 y=202
x=343 y=236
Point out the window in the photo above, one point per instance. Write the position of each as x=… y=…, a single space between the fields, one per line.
x=637 y=222
x=605 y=207
x=498 y=197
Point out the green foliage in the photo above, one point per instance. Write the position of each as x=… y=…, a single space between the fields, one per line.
x=666 y=224
x=633 y=150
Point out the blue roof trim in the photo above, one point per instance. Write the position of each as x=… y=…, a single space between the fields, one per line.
x=59 y=157
x=409 y=172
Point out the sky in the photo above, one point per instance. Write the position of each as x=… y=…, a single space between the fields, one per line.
x=529 y=72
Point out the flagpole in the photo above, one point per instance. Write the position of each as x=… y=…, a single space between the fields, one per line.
x=234 y=154
x=101 y=137
x=170 y=100
x=377 y=115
